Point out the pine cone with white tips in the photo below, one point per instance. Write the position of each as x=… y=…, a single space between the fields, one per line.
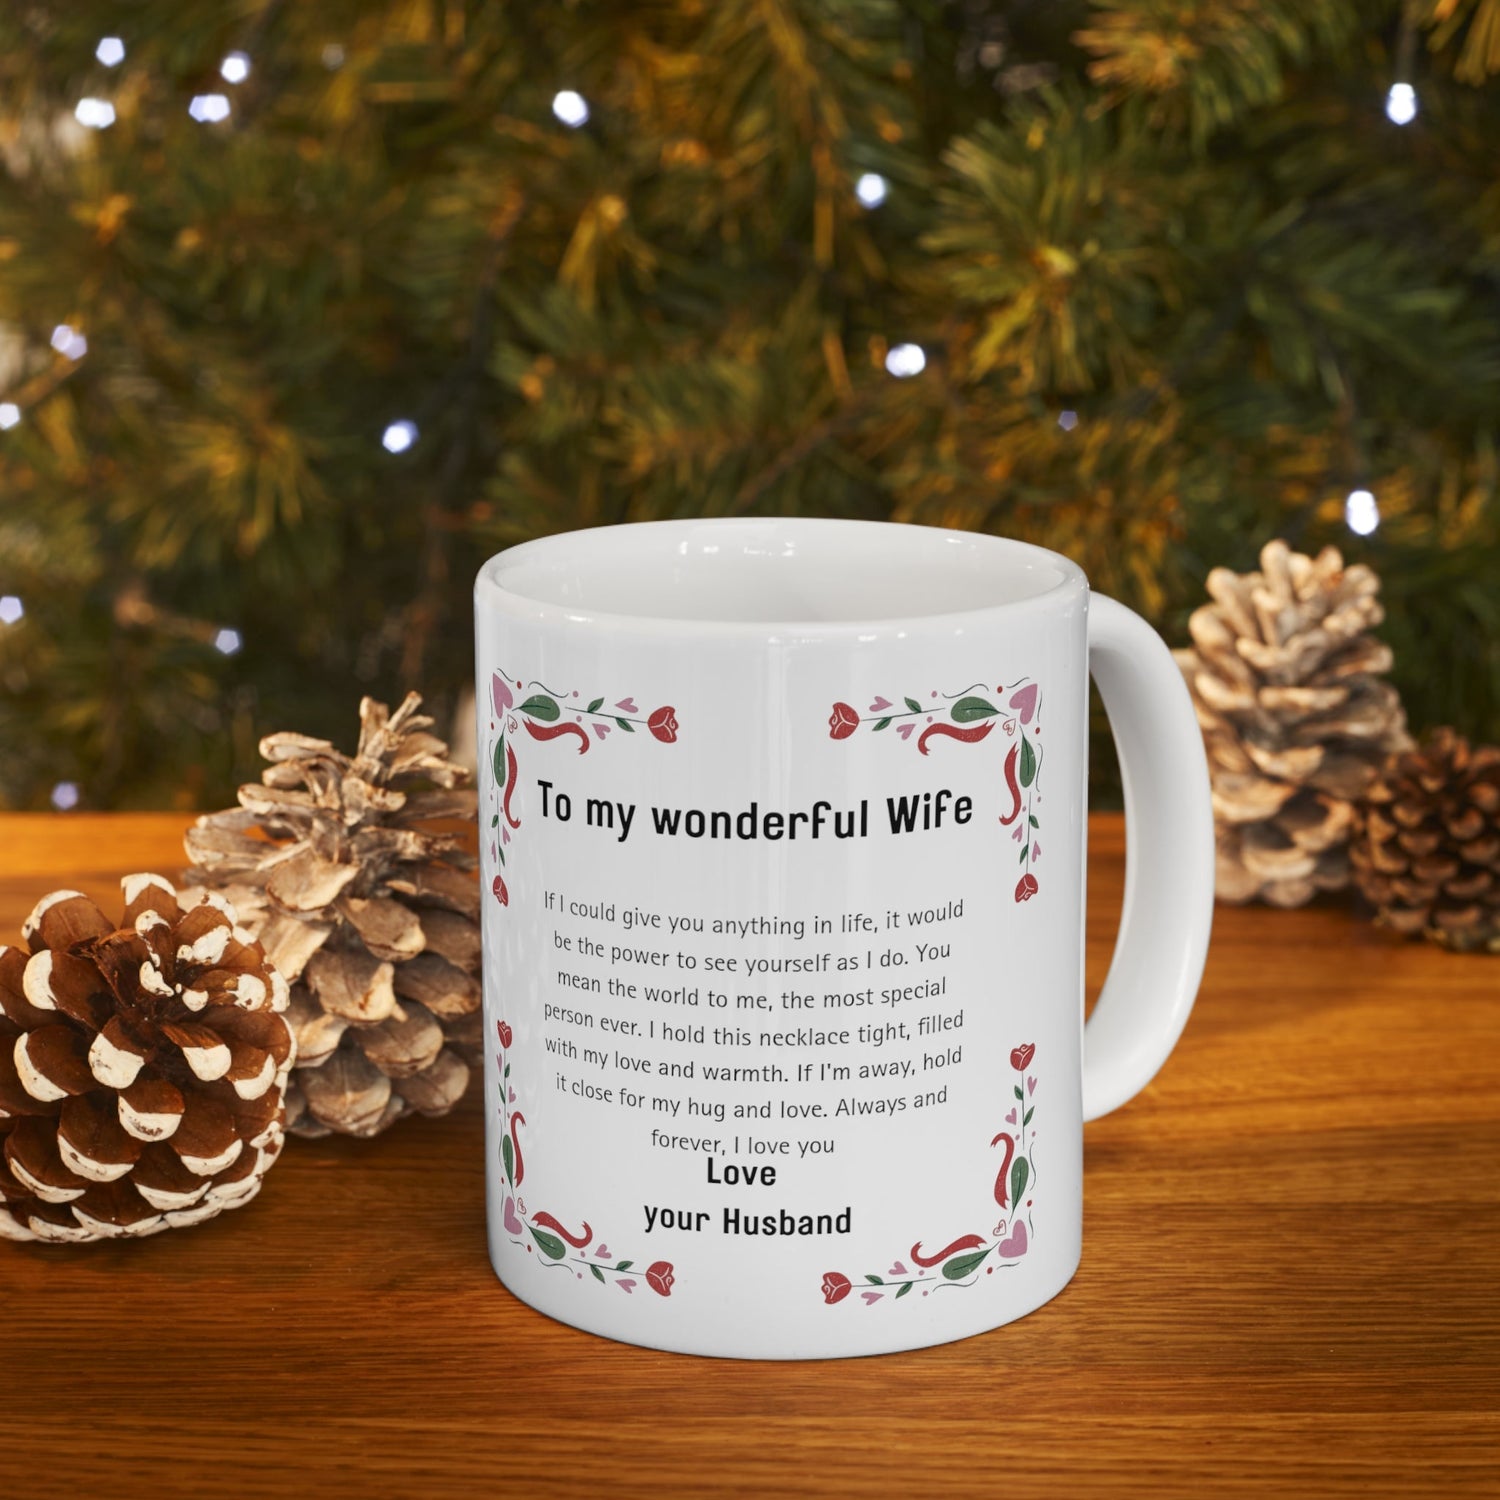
x=142 y=1066
x=1286 y=678
x=343 y=869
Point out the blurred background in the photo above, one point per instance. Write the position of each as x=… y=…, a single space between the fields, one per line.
x=306 y=309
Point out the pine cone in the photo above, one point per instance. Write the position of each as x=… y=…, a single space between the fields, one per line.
x=1296 y=721
x=1428 y=852
x=141 y=1066
x=368 y=911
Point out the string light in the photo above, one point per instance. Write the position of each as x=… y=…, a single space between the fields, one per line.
x=905 y=360
x=228 y=641
x=68 y=341
x=333 y=57
x=10 y=414
x=209 y=109
x=399 y=436
x=1361 y=512
x=110 y=51
x=94 y=114
x=1067 y=420
x=11 y=609
x=1401 y=104
x=235 y=68
x=871 y=189
x=571 y=108
x=65 y=796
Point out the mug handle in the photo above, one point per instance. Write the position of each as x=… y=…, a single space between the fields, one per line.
x=1169 y=859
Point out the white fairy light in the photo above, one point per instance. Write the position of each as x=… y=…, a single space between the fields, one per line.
x=65 y=796
x=399 y=436
x=228 y=641
x=235 y=68
x=94 y=114
x=905 y=360
x=209 y=109
x=10 y=414
x=871 y=189
x=1361 y=512
x=571 y=108
x=110 y=51
x=1067 y=420
x=333 y=57
x=68 y=341
x=11 y=609
x=1401 y=104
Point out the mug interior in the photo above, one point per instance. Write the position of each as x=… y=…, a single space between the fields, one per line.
x=776 y=571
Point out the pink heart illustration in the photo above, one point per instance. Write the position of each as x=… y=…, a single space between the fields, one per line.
x=899 y=1269
x=500 y=693
x=999 y=1229
x=904 y=730
x=1010 y=1119
x=512 y=1223
x=1015 y=1247
x=492 y=850
x=1023 y=700
x=627 y=705
x=602 y=1252
x=505 y=835
x=512 y=1096
x=1019 y=834
x=1031 y=1085
x=871 y=1297
x=879 y=704
x=1036 y=851
x=601 y=730
x=1009 y=727
x=626 y=1286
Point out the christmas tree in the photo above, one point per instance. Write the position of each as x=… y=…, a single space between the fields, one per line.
x=307 y=309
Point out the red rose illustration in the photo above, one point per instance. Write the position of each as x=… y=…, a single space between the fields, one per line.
x=659 y=1276
x=506 y=1034
x=501 y=894
x=1020 y=1057
x=836 y=1287
x=663 y=724
x=842 y=722
x=1026 y=887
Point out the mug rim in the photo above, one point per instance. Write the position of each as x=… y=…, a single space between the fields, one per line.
x=490 y=587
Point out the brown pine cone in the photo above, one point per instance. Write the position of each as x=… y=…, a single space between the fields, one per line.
x=1286 y=680
x=370 y=912
x=1428 y=852
x=142 y=1066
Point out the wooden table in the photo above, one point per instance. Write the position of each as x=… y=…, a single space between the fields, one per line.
x=1289 y=1286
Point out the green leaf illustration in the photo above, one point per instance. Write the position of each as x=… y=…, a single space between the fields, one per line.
x=1024 y=853
x=500 y=853
x=960 y=1266
x=1031 y=818
x=625 y=1265
x=598 y=1274
x=549 y=1244
x=882 y=724
x=1028 y=762
x=594 y=708
x=913 y=705
x=1026 y=1118
x=539 y=706
x=1019 y=1094
x=508 y=1156
x=495 y=821
x=966 y=710
x=873 y=1280
x=1020 y=1171
x=906 y=1286
x=500 y=761
x=626 y=725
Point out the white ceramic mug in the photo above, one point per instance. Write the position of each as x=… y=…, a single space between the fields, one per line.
x=783 y=828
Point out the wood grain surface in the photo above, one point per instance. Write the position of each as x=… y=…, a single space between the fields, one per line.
x=1289 y=1286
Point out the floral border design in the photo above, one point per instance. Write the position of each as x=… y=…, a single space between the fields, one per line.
x=545 y=715
x=960 y=1263
x=970 y=718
